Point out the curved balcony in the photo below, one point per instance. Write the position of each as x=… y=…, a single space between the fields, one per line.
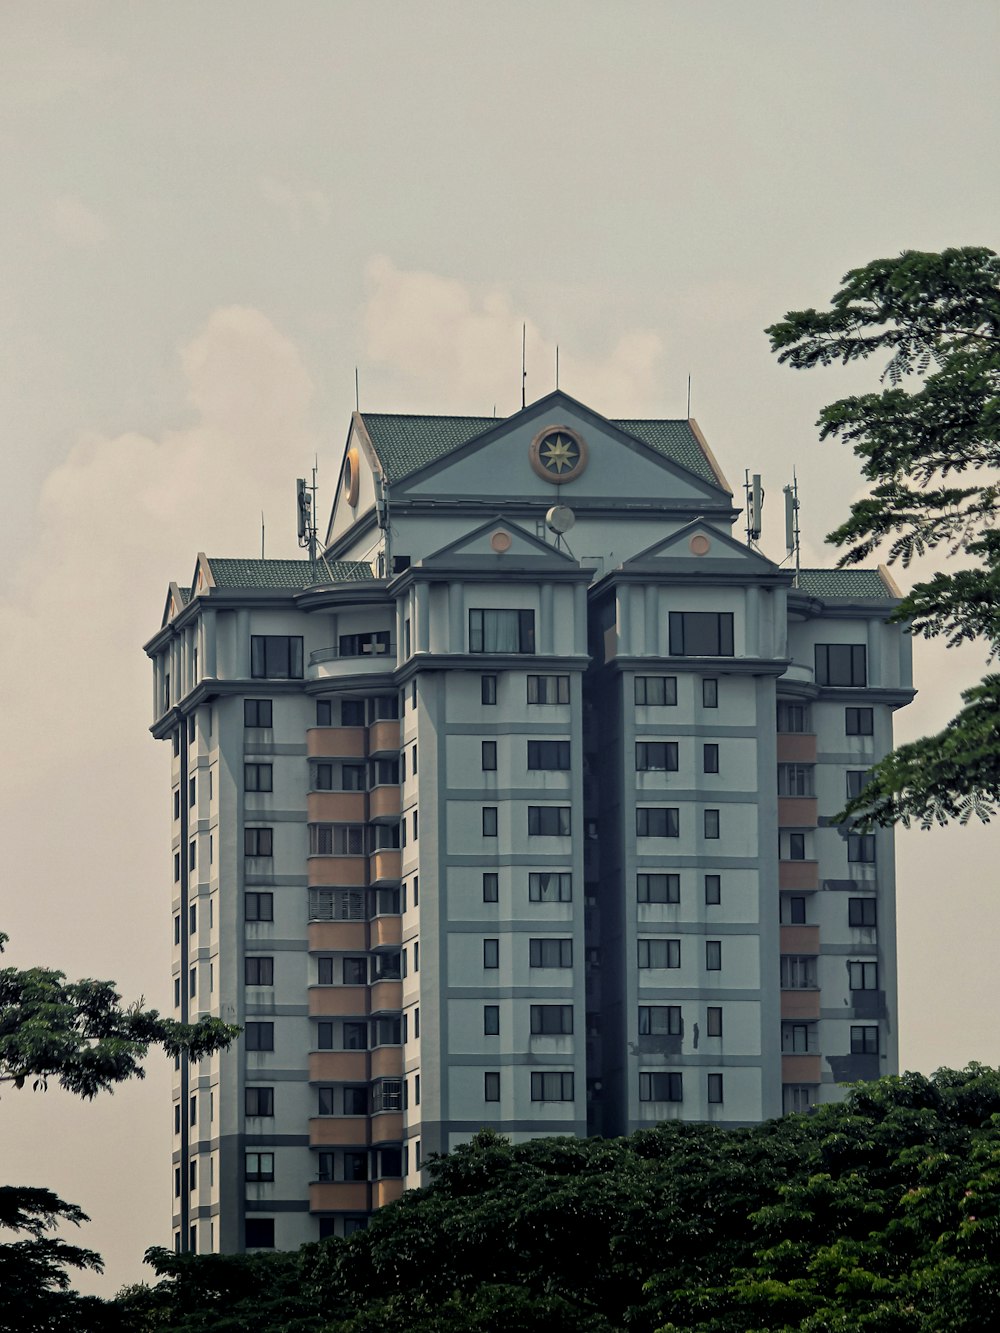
x=385 y=932
x=336 y=807
x=338 y=936
x=336 y=742
x=338 y=1001
x=386 y=1127
x=339 y=1066
x=383 y=803
x=339 y=1196
x=383 y=737
x=350 y=872
x=800 y=674
x=348 y=1131
x=386 y=997
x=386 y=1191
x=387 y=1062
x=384 y=867
x=329 y=664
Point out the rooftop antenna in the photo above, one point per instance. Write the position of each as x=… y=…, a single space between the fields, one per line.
x=307 y=511
x=557 y=365
x=689 y=398
x=262 y=534
x=793 y=536
x=755 y=503
x=382 y=518
x=524 y=370
x=357 y=391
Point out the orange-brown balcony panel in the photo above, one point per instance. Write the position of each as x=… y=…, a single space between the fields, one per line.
x=387 y=1062
x=383 y=737
x=800 y=939
x=338 y=936
x=386 y=1191
x=338 y=1001
x=338 y=1066
x=796 y=747
x=800 y=1069
x=385 y=866
x=387 y=1127
x=383 y=803
x=336 y=742
x=802 y=1004
x=793 y=812
x=386 y=997
x=798 y=874
x=350 y=1131
x=339 y=871
x=336 y=807
x=385 y=930
x=339 y=1196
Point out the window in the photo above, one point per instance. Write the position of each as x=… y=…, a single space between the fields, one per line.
x=798 y=1038
x=859 y=721
x=337 y=905
x=501 y=631
x=177 y=930
x=661 y=1087
x=491 y=953
x=795 y=780
x=658 y=888
x=387 y=1095
x=259 y=1036
x=257 y=713
x=861 y=848
x=257 y=777
x=258 y=971
x=340 y=839
x=840 y=664
x=710 y=758
x=177 y=803
x=864 y=1041
x=552 y=1087
x=857 y=779
x=710 y=693
x=653 y=822
x=713 y=955
x=489 y=749
x=713 y=1021
x=656 y=756
x=792 y=910
x=355 y=971
x=386 y=1032
x=386 y=773
x=260 y=1166
x=193 y=982
x=491 y=887
x=796 y=846
x=798 y=972
x=656 y=691
x=355 y=1166
x=413 y=759
x=259 y=1233
x=192 y=791
x=192 y=854
x=258 y=842
x=258 y=1101
x=373 y=643
x=550 y=953
x=491 y=1086
x=324 y=712
x=548 y=689
x=416 y=825
x=792 y=717
x=861 y=912
x=177 y=992
x=713 y=890
x=551 y=1020
x=549 y=821
x=660 y=1020
x=489 y=821
x=797 y=1097
x=491 y=1020
x=383 y=708
x=701 y=634
x=488 y=689
x=715 y=1089
x=352 y=713
x=659 y=953
x=711 y=823
x=862 y=976
x=548 y=755
x=276 y=656
x=545 y=886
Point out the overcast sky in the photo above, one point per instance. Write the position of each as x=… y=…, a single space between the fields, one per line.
x=213 y=210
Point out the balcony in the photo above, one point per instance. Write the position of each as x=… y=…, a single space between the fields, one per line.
x=793 y=812
x=339 y=1196
x=800 y=1069
x=800 y=1004
x=386 y=1191
x=349 y=872
x=383 y=803
x=336 y=807
x=800 y=939
x=338 y=1001
x=387 y=1062
x=385 y=932
x=330 y=664
x=334 y=936
x=386 y=997
x=348 y=1131
x=798 y=875
x=796 y=747
x=383 y=737
x=384 y=868
x=387 y=1127
x=336 y=742
x=338 y=1066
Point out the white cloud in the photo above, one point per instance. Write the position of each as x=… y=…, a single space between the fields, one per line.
x=300 y=205
x=75 y=224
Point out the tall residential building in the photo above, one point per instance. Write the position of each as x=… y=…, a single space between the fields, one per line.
x=483 y=819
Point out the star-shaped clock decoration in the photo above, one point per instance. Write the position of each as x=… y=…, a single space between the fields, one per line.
x=558 y=454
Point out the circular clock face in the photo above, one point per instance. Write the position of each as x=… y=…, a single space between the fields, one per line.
x=558 y=454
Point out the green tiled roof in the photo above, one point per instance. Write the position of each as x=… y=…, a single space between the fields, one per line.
x=405 y=444
x=282 y=574
x=846 y=583
x=185 y=595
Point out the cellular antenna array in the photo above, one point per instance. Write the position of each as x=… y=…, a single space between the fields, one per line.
x=755 y=504
x=306 y=496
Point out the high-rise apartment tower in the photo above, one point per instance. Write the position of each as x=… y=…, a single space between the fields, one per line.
x=485 y=819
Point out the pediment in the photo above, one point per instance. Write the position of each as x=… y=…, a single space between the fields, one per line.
x=498 y=542
x=700 y=544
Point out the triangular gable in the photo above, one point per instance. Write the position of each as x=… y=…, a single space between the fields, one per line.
x=702 y=544
x=202 y=580
x=358 y=480
x=500 y=541
x=176 y=600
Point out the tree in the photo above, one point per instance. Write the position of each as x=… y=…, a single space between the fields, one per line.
x=80 y=1034
x=929 y=443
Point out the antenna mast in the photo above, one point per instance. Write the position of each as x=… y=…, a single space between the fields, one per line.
x=382 y=517
x=557 y=365
x=755 y=503
x=307 y=512
x=524 y=370
x=793 y=535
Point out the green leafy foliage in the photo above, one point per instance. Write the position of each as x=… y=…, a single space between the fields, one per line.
x=929 y=444
x=879 y=1213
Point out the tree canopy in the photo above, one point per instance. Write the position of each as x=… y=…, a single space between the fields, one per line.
x=929 y=444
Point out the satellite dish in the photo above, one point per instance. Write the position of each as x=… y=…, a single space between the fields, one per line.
x=559 y=519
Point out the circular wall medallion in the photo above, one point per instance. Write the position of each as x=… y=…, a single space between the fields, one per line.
x=558 y=454
x=699 y=544
x=500 y=541
x=351 y=477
